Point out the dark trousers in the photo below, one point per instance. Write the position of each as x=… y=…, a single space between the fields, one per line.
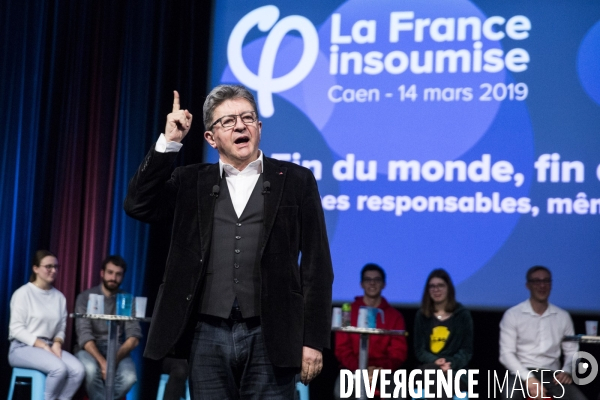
x=229 y=361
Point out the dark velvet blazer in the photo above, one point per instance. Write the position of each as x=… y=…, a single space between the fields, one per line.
x=295 y=296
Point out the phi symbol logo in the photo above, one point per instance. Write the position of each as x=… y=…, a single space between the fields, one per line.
x=263 y=82
x=586 y=363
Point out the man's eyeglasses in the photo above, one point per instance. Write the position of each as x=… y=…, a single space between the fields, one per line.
x=439 y=286
x=227 y=121
x=372 y=280
x=49 y=267
x=539 y=282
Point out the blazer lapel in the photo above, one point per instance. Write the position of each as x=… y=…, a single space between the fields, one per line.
x=275 y=175
x=207 y=178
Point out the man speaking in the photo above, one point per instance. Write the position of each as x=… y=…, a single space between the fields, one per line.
x=246 y=294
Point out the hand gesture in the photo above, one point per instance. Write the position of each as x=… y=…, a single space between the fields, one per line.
x=43 y=345
x=535 y=389
x=103 y=364
x=446 y=366
x=312 y=362
x=563 y=378
x=443 y=364
x=178 y=122
x=440 y=361
x=371 y=370
x=57 y=349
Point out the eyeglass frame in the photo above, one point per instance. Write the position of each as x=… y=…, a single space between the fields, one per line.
x=254 y=114
x=439 y=286
x=49 y=267
x=538 y=282
x=376 y=279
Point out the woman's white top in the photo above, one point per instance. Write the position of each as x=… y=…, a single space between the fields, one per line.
x=36 y=312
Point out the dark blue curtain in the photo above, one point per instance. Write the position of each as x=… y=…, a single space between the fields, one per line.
x=84 y=90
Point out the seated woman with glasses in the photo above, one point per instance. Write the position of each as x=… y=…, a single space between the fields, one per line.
x=443 y=332
x=38 y=319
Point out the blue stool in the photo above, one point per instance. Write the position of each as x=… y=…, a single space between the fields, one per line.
x=164 y=378
x=38 y=382
x=302 y=391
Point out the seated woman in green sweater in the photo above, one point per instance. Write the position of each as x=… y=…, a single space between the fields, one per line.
x=443 y=332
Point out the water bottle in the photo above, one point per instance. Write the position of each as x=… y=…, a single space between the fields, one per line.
x=346 y=311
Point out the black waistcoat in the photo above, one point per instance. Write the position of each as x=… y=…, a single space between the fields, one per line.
x=234 y=261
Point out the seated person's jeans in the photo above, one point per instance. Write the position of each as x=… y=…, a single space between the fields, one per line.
x=125 y=375
x=571 y=392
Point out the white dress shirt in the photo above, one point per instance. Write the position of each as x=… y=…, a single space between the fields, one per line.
x=529 y=340
x=240 y=183
x=162 y=146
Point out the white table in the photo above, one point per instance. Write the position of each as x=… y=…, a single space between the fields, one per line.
x=363 y=348
x=582 y=339
x=111 y=351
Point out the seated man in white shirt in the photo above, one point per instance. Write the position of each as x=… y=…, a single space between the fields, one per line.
x=531 y=339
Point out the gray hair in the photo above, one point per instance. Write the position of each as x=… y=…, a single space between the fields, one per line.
x=222 y=93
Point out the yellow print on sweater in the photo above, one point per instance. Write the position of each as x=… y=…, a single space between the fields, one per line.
x=438 y=338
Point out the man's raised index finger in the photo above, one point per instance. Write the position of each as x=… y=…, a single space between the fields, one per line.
x=175 y=101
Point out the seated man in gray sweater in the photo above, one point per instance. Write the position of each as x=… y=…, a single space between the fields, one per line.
x=92 y=335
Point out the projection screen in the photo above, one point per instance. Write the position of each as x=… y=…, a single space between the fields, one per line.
x=451 y=134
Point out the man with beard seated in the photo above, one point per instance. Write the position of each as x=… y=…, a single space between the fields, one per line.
x=92 y=335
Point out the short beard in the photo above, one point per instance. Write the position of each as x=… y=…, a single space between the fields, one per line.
x=105 y=284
